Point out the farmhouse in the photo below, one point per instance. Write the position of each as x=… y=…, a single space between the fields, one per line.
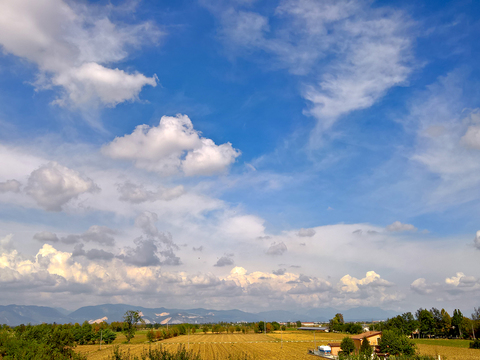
x=373 y=338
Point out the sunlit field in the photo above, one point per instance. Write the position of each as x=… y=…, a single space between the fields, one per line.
x=278 y=345
x=449 y=352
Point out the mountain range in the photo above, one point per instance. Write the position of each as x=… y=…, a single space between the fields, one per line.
x=24 y=314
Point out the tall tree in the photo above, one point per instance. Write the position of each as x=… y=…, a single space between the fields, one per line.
x=426 y=322
x=130 y=321
x=457 y=320
x=446 y=323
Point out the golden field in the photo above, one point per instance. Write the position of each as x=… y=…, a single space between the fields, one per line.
x=219 y=346
x=258 y=346
x=449 y=352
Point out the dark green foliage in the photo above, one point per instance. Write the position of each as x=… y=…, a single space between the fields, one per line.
x=457 y=320
x=426 y=322
x=108 y=336
x=401 y=357
x=395 y=343
x=347 y=345
x=299 y=323
x=475 y=344
x=352 y=328
x=365 y=349
x=41 y=342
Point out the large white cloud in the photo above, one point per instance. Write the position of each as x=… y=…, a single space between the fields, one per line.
x=72 y=45
x=171 y=147
x=54 y=185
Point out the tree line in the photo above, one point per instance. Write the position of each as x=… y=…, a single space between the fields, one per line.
x=434 y=323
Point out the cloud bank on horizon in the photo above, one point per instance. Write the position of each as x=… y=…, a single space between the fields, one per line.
x=297 y=153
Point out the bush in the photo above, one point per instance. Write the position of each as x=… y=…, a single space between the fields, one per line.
x=475 y=344
x=347 y=345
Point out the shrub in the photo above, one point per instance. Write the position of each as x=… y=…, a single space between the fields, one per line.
x=475 y=344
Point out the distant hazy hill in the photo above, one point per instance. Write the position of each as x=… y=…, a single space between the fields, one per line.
x=21 y=314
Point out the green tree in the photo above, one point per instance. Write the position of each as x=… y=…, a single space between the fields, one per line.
x=150 y=335
x=108 y=336
x=336 y=324
x=446 y=323
x=426 y=322
x=457 y=320
x=396 y=343
x=131 y=319
x=366 y=349
x=205 y=328
x=347 y=345
x=299 y=323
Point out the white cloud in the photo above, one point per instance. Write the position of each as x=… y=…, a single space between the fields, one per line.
x=472 y=137
x=71 y=44
x=397 y=226
x=277 y=249
x=448 y=151
x=137 y=194
x=356 y=52
x=476 y=241
x=54 y=185
x=171 y=147
x=461 y=280
x=91 y=81
x=420 y=286
x=10 y=185
x=306 y=232
x=372 y=279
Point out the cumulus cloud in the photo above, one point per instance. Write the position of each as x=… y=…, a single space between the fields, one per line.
x=476 y=241
x=461 y=280
x=146 y=221
x=277 y=249
x=224 y=261
x=137 y=194
x=172 y=147
x=421 y=287
x=92 y=254
x=371 y=279
x=10 y=185
x=306 y=232
x=471 y=138
x=279 y=271
x=397 y=226
x=71 y=45
x=200 y=248
x=95 y=233
x=54 y=185
x=46 y=236
x=144 y=254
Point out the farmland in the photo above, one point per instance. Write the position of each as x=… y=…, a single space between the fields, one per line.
x=289 y=345
x=278 y=346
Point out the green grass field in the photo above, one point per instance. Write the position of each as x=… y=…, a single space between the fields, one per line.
x=444 y=342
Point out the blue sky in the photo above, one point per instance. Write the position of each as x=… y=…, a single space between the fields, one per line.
x=204 y=153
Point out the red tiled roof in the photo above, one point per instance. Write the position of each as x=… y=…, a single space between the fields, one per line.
x=366 y=334
x=334 y=344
